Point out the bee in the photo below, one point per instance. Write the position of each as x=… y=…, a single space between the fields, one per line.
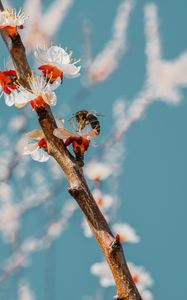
x=84 y=118
x=80 y=140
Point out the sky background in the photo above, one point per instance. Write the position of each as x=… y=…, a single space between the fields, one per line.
x=152 y=187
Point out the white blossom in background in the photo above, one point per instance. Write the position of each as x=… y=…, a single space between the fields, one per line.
x=114 y=154
x=16 y=261
x=9 y=221
x=25 y=292
x=21 y=257
x=164 y=79
x=104 y=201
x=97 y=171
x=5 y=193
x=10 y=212
x=55 y=15
x=126 y=232
x=42 y=26
x=107 y=61
x=142 y=278
x=147 y=295
x=18 y=123
x=56 y=228
x=102 y=271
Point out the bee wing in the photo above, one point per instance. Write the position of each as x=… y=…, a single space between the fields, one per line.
x=62 y=133
x=95 y=113
x=72 y=120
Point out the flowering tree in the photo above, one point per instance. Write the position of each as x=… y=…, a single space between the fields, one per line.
x=22 y=86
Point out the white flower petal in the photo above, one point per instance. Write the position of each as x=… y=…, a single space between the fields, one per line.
x=41 y=55
x=55 y=84
x=35 y=134
x=38 y=87
x=59 y=55
x=9 y=17
x=30 y=148
x=23 y=97
x=70 y=70
x=50 y=98
x=40 y=156
x=9 y=99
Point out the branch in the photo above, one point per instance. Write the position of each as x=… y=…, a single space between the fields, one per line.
x=79 y=190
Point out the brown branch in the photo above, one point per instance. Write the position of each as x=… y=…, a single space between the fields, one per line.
x=79 y=190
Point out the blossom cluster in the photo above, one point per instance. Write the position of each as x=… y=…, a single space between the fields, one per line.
x=55 y=64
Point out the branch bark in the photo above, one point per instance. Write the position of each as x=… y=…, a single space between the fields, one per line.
x=78 y=187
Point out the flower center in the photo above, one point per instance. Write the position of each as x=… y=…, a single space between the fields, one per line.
x=51 y=72
x=38 y=103
x=12 y=30
x=136 y=278
x=99 y=201
x=42 y=143
x=79 y=143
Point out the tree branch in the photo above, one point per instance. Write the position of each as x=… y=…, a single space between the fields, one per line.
x=79 y=190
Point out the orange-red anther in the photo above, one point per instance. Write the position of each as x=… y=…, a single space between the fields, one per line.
x=51 y=72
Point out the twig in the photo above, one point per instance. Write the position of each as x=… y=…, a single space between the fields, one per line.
x=78 y=186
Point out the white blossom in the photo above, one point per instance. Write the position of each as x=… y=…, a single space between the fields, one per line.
x=126 y=232
x=36 y=149
x=56 y=56
x=24 y=291
x=98 y=171
x=9 y=17
x=39 y=87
